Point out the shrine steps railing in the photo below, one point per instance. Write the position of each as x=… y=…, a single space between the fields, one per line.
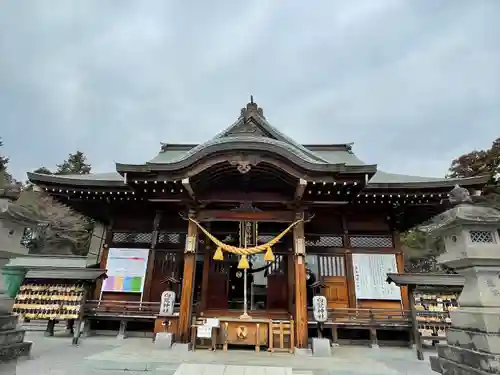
x=121 y=309
x=352 y=318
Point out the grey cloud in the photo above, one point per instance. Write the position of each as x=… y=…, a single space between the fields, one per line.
x=413 y=84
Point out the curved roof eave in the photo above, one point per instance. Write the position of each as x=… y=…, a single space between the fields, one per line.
x=253 y=145
x=383 y=180
x=98 y=179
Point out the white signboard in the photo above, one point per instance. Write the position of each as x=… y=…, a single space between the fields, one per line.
x=370 y=274
x=167 y=303
x=126 y=269
x=204 y=332
x=320 y=311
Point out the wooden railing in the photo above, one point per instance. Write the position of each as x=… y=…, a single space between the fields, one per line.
x=367 y=317
x=121 y=308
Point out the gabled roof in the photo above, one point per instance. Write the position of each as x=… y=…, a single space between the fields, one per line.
x=250 y=127
x=251 y=132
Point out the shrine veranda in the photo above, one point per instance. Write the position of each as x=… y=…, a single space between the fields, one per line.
x=244 y=187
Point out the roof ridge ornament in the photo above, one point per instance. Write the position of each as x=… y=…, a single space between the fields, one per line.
x=251 y=108
x=459 y=195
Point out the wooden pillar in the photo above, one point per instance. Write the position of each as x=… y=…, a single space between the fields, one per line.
x=104 y=260
x=206 y=270
x=300 y=287
x=187 y=292
x=349 y=270
x=151 y=258
x=291 y=282
x=400 y=261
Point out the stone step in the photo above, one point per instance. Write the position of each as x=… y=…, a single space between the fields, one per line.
x=14 y=351
x=13 y=336
x=8 y=322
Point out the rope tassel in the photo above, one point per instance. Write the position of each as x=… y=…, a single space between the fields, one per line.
x=269 y=256
x=218 y=254
x=243 y=264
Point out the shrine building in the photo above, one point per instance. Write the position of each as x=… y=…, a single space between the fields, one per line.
x=337 y=219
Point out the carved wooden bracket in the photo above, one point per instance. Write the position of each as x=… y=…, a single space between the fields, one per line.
x=244 y=164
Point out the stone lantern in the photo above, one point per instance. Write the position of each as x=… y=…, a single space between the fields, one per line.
x=472 y=248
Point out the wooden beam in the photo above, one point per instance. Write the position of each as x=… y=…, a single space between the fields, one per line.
x=301 y=318
x=189 y=189
x=186 y=307
x=226 y=215
x=239 y=196
x=301 y=188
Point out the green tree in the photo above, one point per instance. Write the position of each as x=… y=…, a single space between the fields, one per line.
x=42 y=170
x=53 y=227
x=75 y=164
x=4 y=161
x=481 y=163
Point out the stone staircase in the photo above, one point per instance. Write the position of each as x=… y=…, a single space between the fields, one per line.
x=12 y=344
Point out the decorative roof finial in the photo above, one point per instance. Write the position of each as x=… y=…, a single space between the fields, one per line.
x=460 y=195
x=251 y=99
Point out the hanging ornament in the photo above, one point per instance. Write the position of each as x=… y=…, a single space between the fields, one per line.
x=218 y=254
x=243 y=264
x=269 y=256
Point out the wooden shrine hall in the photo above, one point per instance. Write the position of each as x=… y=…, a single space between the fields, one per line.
x=248 y=227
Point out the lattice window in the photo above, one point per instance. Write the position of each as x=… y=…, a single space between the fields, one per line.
x=371 y=241
x=264 y=238
x=481 y=236
x=324 y=241
x=132 y=237
x=331 y=265
x=172 y=238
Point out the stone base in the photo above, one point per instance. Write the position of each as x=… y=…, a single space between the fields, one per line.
x=164 y=340
x=444 y=366
x=321 y=347
x=6 y=304
x=7 y=322
x=489 y=363
x=303 y=351
x=8 y=368
x=14 y=351
x=183 y=348
x=474 y=340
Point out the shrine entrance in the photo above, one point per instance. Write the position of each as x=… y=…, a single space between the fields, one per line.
x=264 y=286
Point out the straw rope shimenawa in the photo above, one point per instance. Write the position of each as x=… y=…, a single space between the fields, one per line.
x=243 y=252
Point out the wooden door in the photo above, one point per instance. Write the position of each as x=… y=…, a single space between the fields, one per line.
x=332 y=271
x=217 y=288
x=336 y=292
x=277 y=284
x=168 y=265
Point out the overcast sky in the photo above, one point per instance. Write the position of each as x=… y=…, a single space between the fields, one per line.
x=412 y=83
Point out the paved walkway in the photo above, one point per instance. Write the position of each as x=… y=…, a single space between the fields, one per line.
x=134 y=356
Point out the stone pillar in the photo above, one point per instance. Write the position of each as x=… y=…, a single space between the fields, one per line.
x=12 y=345
x=471 y=238
x=300 y=287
